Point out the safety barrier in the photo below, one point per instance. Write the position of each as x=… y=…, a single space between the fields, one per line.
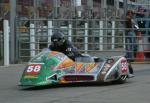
x=4 y=44
x=91 y=37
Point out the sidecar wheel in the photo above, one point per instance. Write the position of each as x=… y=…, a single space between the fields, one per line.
x=122 y=79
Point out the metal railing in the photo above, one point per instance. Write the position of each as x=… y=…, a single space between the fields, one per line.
x=93 y=40
x=93 y=36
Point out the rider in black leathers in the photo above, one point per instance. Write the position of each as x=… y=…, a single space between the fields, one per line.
x=59 y=43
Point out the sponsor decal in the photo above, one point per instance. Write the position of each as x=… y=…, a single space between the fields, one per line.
x=66 y=63
x=79 y=66
x=124 y=66
x=106 y=68
x=90 y=66
x=33 y=69
x=82 y=70
x=69 y=70
x=52 y=53
x=52 y=64
x=60 y=57
x=30 y=76
x=85 y=67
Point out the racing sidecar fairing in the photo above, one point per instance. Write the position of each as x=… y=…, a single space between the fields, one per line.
x=51 y=67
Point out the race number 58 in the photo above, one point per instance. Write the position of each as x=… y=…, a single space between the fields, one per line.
x=33 y=69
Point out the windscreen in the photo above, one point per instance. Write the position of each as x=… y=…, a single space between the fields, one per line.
x=39 y=58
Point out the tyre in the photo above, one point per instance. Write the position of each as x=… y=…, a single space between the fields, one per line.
x=122 y=79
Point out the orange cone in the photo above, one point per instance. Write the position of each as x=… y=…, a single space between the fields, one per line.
x=140 y=52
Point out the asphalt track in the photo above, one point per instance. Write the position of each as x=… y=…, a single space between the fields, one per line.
x=136 y=90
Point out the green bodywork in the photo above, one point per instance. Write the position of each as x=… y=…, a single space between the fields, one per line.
x=51 y=67
x=44 y=75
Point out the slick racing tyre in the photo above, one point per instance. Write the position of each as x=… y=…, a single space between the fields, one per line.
x=122 y=79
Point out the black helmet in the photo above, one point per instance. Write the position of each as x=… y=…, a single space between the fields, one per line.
x=57 y=38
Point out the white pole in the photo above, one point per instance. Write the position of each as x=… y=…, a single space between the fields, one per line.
x=124 y=43
x=101 y=35
x=113 y=35
x=86 y=38
x=50 y=32
x=70 y=32
x=6 y=42
x=79 y=13
x=78 y=2
x=78 y=5
x=32 y=40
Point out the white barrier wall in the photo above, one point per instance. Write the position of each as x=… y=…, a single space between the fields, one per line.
x=50 y=27
x=6 y=43
x=86 y=38
x=32 y=40
x=101 y=35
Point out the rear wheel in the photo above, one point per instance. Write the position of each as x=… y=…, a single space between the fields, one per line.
x=121 y=80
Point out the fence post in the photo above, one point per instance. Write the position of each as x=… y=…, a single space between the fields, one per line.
x=100 y=35
x=113 y=35
x=70 y=32
x=86 y=38
x=32 y=40
x=6 y=42
x=50 y=32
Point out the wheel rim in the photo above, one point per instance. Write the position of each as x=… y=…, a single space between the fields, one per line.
x=123 y=77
